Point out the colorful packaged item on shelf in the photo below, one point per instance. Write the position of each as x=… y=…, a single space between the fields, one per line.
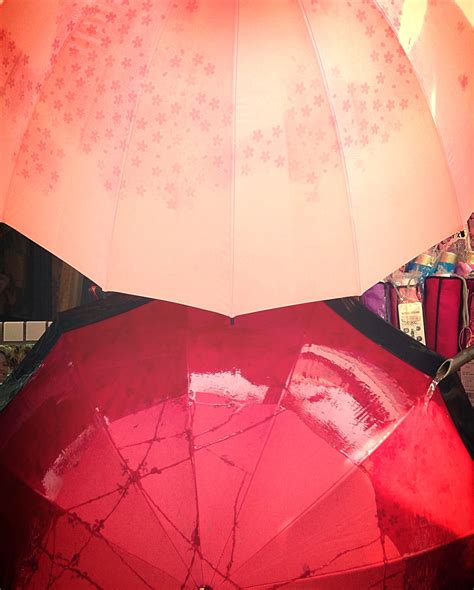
x=444 y=313
x=447 y=262
x=465 y=267
x=408 y=304
x=424 y=264
x=377 y=299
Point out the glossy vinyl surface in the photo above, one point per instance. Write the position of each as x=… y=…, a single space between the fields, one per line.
x=165 y=448
x=224 y=153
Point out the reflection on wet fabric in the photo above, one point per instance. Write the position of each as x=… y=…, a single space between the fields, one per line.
x=163 y=447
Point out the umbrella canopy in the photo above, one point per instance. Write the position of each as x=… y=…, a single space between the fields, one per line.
x=222 y=153
x=286 y=450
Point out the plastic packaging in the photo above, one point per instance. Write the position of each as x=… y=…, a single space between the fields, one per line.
x=377 y=299
x=409 y=304
x=424 y=264
x=465 y=267
x=447 y=263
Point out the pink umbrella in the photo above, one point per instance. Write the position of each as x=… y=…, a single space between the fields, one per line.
x=221 y=154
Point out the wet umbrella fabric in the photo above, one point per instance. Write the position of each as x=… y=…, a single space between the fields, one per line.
x=212 y=151
x=159 y=446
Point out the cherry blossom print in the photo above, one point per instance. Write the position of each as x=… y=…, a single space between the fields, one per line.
x=442 y=76
x=156 y=113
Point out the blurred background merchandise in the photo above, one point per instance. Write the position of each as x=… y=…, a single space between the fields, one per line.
x=34 y=284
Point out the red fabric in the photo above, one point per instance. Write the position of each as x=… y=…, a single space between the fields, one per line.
x=165 y=448
x=393 y=307
x=442 y=306
x=430 y=309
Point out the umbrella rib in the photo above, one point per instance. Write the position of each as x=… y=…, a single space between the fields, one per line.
x=196 y=540
x=70 y=564
x=309 y=574
x=234 y=127
x=355 y=466
x=150 y=443
x=320 y=498
x=100 y=525
x=108 y=435
x=221 y=424
x=273 y=417
x=239 y=432
x=99 y=497
x=113 y=546
x=227 y=461
x=67 y=567
x=191 y=408
x=50 y=577
x=234 y=526
x=151 y=502
x=94 y=532
x=329 y=490
x=341 y=144
x=171 y=6
x=248 y=487
x=399 y=559
x=142 y=491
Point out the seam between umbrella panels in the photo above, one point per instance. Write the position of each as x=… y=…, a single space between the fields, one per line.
x=393 y=561
x=264 y=445
x=61 y=511
x=190 y=414
x=285 y=389
x=322 y=497
x=82 y=385
x=171 y=5
x=234 y=126
x=423 y=92
x=341 y=145
x=355 y=466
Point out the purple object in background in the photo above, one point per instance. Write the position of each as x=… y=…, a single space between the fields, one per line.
x=377 y=299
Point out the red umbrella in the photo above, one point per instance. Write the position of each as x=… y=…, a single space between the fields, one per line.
x=215 y=151
x=158 y=446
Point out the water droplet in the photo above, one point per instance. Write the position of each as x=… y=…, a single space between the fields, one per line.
x=430 y=392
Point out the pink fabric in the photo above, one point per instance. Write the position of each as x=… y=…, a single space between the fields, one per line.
x=222 y=154
x=437 y=37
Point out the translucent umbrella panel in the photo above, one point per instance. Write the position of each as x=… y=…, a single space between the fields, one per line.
x=287 y=450
x=222 y=153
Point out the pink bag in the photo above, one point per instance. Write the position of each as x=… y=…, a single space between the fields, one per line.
x=443 y=310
